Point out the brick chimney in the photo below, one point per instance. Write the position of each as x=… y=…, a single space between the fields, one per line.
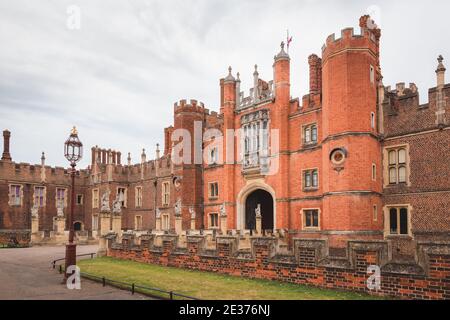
x=315 y=74
x=6 y=155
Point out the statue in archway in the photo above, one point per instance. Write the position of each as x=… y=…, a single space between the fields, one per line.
x=258 y=211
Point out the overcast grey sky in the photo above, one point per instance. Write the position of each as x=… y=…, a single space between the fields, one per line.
x=118 y=76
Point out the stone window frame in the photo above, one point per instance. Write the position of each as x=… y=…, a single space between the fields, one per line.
x=95 y=198
x=125 y=195
x=319 y=220
x=373 y=120
x=387 y=229
x=165 y=221
x=210 y=220
x=138 y=196
x=165 y=193
x=372 y=74
x=387 y=165
x=95 y=220
x=136 y=224
x=44 y=196
x=66 y=193
x=12 y=203
x=79 y=196
x=310 y=126
x=312 y=187
x=211 y=195
x=213 y=156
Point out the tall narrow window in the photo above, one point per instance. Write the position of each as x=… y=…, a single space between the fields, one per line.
x=95 y=222
x=138 y=223
x=138 y=197
x=79 y=199
x=39 y=196
x=397 y=166
x=310 y=179
x=213 y=220
x=372 y=120
x=122 y=194
x=15 y=195
x=311 y=219
x=310 y=134
x=165 y=193
x=95 y=199
x=165 y=222
x=398 y=221
x=60 y=198
x=214 y=190
x=375 y=213
x=374 y=172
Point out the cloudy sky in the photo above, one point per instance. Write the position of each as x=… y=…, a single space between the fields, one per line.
x=117 y=77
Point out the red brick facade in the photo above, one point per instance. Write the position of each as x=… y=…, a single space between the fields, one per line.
x=332 y=159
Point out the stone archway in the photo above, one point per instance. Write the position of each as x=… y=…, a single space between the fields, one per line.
x=259 y=187
x=78 y=226
x=265 y=200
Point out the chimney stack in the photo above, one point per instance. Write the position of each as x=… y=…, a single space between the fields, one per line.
x=6 y=155
x=315 y=74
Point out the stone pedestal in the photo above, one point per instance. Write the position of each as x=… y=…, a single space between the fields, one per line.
x=178 y=225
x=223 y=224
x=158 y=224
x=34 y=225
x=105 y=223
x=193 y=224
x=259 y=225
x=59 y=225
x=117 y=224
x=102 y=246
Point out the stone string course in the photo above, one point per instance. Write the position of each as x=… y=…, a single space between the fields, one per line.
x=309 y=263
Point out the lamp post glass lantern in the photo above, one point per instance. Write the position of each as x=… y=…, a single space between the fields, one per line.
x=73 y=151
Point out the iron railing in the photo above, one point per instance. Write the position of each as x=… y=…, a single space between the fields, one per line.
x=132 y=287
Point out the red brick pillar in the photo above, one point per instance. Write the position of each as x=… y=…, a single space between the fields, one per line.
x=6 y=155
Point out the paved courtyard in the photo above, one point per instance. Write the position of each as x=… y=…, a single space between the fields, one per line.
x=26 y=274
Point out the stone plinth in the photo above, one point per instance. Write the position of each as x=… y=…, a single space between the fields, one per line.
x=223 y=224
x=178 y=225
x=105 y=223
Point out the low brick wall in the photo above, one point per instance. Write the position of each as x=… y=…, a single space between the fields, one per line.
x=15 y=238
x=309 y=264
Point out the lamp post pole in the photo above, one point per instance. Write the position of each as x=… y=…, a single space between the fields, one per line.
x=71 y=247
x=73 y=151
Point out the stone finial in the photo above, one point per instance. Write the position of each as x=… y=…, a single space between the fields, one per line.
x=238 y=77
x=282 y=55
x=440 y=72
x=143 y=156
x=43 y=159
x=256 y=73
x=129 y=158
x=230 y=77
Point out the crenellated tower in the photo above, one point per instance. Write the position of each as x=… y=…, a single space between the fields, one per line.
x=351 y=148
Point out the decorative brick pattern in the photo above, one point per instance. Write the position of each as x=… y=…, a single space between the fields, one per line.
x=310 y=265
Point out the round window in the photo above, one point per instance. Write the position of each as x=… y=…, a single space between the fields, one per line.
x=338 y=156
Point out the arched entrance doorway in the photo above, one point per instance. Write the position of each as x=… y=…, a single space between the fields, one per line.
x=78 y=226
x=264 y=199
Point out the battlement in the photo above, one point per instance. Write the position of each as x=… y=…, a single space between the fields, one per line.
x=193 y=106
x=401 y=90
x=367 y=38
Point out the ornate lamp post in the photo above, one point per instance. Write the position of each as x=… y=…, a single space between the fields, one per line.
x=73 y=151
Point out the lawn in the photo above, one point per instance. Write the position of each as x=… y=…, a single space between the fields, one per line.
x=207 y=285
